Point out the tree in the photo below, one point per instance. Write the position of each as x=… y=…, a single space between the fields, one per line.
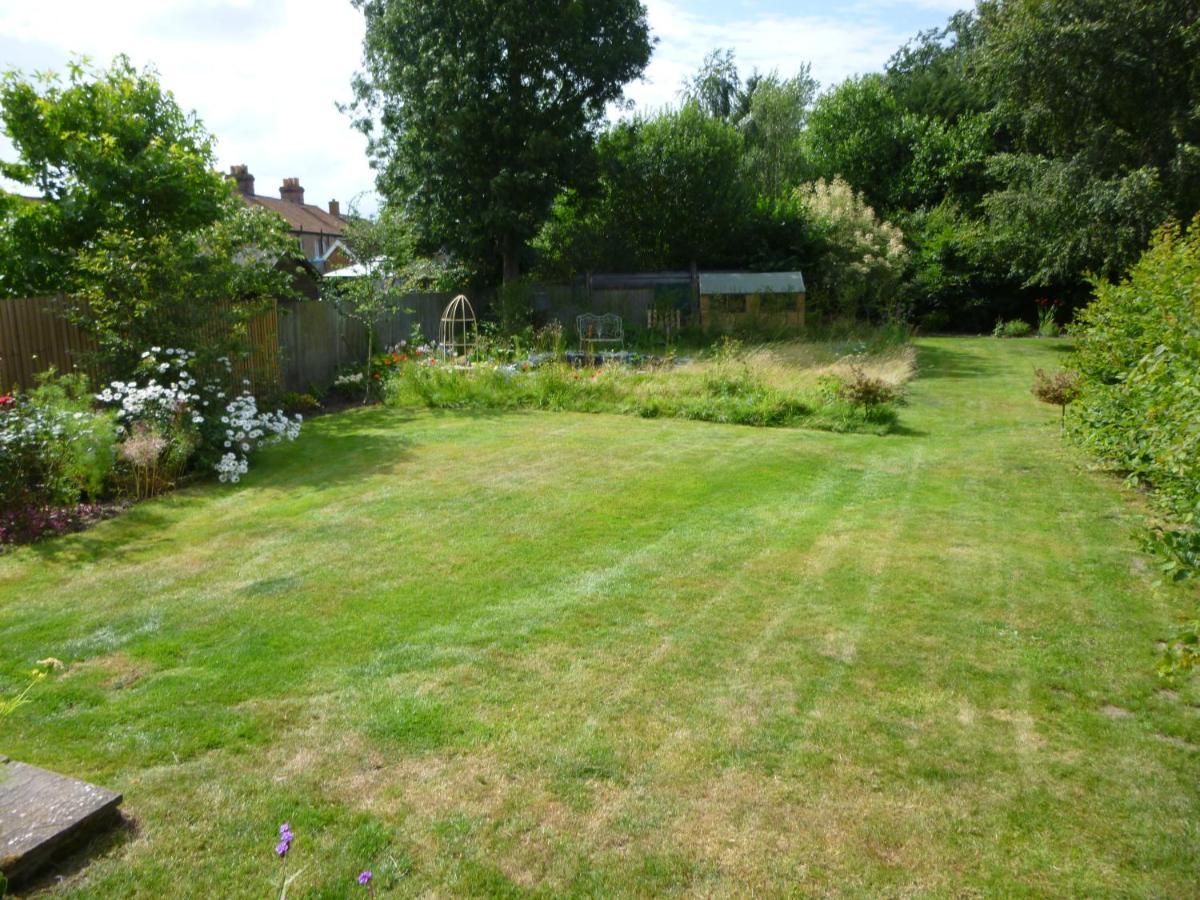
x=383 y=248
x=134 y=223
x=773 y=122
x=857 y=132
x=480 y=114
x=194 y=289
x=107 y=150
x=1102 y=100
x=716 y=88
x=671 y=191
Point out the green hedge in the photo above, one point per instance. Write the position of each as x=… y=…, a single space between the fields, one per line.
x=1138 y=352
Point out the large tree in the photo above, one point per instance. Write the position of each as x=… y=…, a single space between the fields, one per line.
x=131 y=218
x=106 y=150
x=671 y=191
x=479 y=113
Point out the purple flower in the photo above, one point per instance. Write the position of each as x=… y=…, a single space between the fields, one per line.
x=285 y=840
x=364 y=877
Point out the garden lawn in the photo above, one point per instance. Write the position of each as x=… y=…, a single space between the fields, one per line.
x=563 y=654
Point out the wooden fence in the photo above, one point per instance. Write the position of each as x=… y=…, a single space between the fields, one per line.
x=35 y=335
x=316 y=340
x=296 y=345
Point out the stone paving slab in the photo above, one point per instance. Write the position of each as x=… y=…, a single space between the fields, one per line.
x=41 y=811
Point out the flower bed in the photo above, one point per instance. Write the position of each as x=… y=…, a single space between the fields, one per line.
x=68 y=457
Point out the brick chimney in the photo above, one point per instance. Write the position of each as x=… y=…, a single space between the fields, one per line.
x=335 y=209
x=291 y=191
x=245 y=181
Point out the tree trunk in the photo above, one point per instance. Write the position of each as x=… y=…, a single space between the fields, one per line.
x=509 y=252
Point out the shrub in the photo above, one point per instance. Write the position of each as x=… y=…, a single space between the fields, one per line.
x=54 y=449
x=203 y=422
x=864 y=259
x=861 y=389
x=293 y=402
x=1140 y=371
x=1013 y=328
x=1060 y=389
x=1138 y=351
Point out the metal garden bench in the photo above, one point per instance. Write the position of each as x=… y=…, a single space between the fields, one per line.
x=605 y=329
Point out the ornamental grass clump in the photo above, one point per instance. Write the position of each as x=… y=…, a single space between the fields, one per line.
x=142 y=451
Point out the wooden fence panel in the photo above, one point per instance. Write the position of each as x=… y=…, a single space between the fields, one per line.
x=35 y=335
x=299 y=345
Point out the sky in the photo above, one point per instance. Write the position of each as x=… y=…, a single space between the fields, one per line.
x=265 y=76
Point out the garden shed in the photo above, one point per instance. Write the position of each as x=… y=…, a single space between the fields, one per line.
x=730 y=299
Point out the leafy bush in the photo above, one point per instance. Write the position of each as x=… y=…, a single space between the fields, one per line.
x=294 y=402
x=54 y=449
x=861 y=389
x=859 y=272
x=1013 y=328
x=1060 y=389
x=1138 y=352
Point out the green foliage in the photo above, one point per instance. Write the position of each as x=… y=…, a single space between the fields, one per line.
x=197 y=288
x=514 y=306
x=149 y=241
x=1012 y=328
x=295 y=402
x=857 y=133
x=859 y=271
x=669 y=188
x=110 y=152
x=1183 y=651
x=1138 y=352
x=732 y=386
x=480 y=114
x=1093 y=105
x=56 y=448
x=384 y=248
x=1054 y=219
x=717 y=87
x=773 y=125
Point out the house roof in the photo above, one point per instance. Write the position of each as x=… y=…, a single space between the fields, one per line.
x=303 y=217
x=751 y=283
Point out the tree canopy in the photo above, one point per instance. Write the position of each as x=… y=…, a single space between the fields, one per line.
x=105 y=150
x=480 y=113
x=131 y=220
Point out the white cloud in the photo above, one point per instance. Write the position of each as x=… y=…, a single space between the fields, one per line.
x=265 y=75
x=837 y=46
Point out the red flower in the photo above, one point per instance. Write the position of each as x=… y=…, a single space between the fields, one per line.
x=376 y=376
x=7 y=400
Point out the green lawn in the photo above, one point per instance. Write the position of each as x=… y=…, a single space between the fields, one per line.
x=556 y=654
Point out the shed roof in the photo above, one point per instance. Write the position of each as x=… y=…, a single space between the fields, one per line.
x=751 y=283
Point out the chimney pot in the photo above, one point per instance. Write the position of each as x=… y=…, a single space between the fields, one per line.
x=245 y=181
x=291 y=191
x=335 y=208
